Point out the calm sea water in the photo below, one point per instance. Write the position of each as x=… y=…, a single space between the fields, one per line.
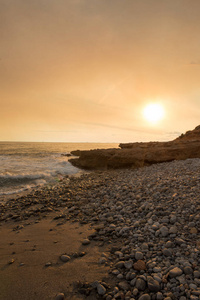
x=24 y=166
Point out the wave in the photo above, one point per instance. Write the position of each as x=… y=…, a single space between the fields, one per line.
x=27 y=187
x=32 y=154
x=9 y=179
x=20 y=174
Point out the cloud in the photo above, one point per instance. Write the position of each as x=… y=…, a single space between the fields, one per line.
x=173 y=134
x=55 y=131
x=134 y=130
x=197 y=62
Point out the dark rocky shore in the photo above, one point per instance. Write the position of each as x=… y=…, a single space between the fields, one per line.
x=147 y=221
x=134 y=155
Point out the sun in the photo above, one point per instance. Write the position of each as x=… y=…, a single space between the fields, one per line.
x=153 y=112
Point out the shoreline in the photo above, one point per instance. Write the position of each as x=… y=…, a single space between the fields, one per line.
x=15 y=195
x=141 y=233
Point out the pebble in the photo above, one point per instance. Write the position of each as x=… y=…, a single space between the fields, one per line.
x=128 y=264
x=102 y=260
x=167 y=252
x=101 y=289
x=188 y=270
x=85 y=242
x=140 y=284
x=60 y=296
x=144 y=297
x=173 y=229
x=119 y=264
x=169 y=244
x=193 y=230
x=139 y=255
x=11 y=261
x=135 y=292
x=159 y=296
x=139 y=265
x=65 y=258
x=164 y=231
x=175 y=272
x=123 y=285
x=196 y=274
x=153 y=285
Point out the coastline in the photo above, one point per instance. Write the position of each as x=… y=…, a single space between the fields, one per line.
x=139 y=230
x=48 y=185
x=26 y=166
x=140 y=154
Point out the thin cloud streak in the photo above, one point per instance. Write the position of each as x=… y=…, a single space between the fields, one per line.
x=195 y=62
x=134 y=130
x=55 y=131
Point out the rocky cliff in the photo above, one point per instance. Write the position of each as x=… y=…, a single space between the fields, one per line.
x=133 y=155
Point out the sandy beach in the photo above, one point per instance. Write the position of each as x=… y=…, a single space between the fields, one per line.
x=124 y=234
x=31 y=247
x=37 y=271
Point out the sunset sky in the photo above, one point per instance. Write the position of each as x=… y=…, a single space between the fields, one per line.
x=84 y=70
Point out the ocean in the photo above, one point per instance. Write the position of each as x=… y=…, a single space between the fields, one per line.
x=28 y=165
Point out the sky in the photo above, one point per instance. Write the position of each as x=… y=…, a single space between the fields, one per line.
x=84 y=70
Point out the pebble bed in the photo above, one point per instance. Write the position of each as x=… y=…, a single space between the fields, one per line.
x=149 y=218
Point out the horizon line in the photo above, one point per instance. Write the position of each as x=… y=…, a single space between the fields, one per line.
x=1 y=141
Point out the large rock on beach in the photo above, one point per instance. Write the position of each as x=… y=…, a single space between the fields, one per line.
x=134 y=155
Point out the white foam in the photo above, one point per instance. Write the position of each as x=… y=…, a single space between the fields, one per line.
x=23 y=173
x=28 y=165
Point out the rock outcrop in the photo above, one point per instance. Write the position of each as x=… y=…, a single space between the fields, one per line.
x=133 y=155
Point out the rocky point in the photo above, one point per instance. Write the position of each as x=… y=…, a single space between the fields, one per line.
x=133 y=155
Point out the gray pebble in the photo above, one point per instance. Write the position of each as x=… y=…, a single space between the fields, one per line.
x=101 y=289
x=128 y=264
x=167 y=252
x=123 y=285
x=65 y=258
x=164 y=231
x=196 y=274
x=153 y=285
x=159 y=296
x=140 y=284
x=139 y=255
x=188 y=270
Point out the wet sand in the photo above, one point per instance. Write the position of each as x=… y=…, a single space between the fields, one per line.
x=38 y=244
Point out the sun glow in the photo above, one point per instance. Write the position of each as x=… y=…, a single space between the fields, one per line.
x=153 y=113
